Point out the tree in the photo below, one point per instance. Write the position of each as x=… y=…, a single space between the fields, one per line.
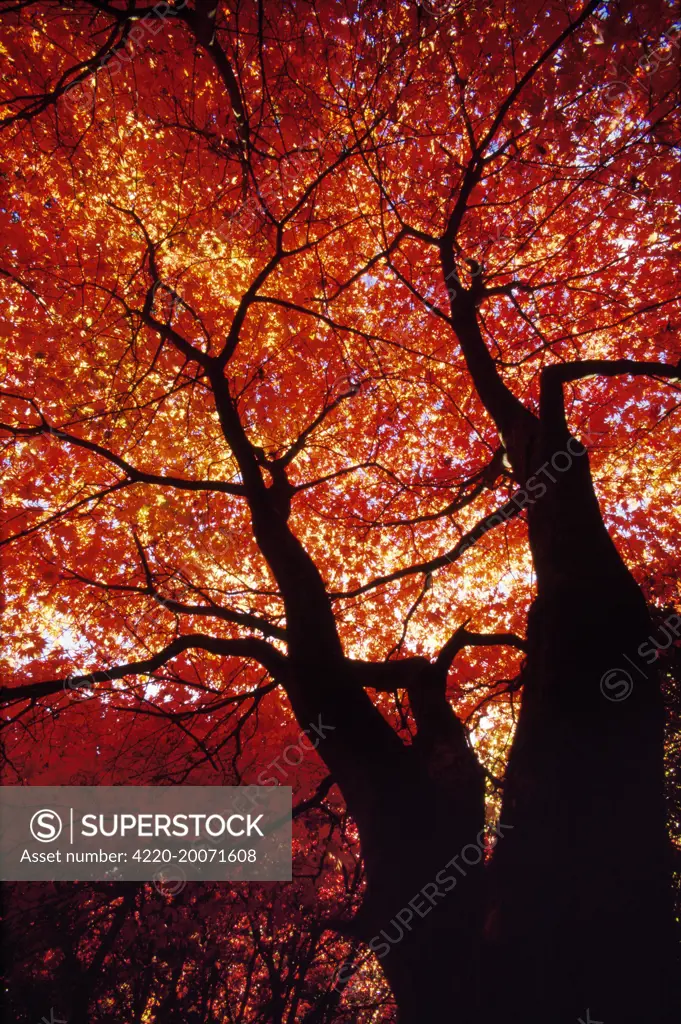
x=341 y=388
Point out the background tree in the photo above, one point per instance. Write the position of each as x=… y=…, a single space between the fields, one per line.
x=313 y=312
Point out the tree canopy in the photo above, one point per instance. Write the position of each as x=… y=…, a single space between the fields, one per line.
x=288 y=290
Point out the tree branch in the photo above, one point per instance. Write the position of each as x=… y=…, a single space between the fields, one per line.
x=502 y=514
x=463 y=638
x=553 y=377
x=316 y=799
x=387 y=676
x=133 y=474
x=202 y=21
x=252 y=648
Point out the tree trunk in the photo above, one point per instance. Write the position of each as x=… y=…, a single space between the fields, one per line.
x=416 y=807
x=422 y=917
x=581 y=920
x=580 y=915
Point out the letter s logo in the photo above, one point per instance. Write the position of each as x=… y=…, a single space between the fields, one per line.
x=45 y=826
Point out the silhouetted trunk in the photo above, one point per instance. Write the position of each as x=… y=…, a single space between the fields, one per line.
x=581 y=916
x=579 y=921
x=416 y=808
x=84 y=982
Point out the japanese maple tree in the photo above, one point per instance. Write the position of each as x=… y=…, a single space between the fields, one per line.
x=340 y=401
